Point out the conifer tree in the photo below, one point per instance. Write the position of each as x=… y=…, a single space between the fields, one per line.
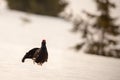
x=44 y=7
x=100 y=33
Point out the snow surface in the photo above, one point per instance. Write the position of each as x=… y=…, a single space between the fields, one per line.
x=17 y=36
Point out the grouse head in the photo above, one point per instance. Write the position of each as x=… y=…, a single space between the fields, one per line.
x=43 y=42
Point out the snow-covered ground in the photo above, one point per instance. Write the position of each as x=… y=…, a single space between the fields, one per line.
x=17 y=36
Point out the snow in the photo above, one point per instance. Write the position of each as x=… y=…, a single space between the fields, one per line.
x=18 y=36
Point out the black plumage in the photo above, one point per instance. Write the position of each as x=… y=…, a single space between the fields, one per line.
x=29 y=54
x=39 y=55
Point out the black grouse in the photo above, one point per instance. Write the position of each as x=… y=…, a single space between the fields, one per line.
x=38 y=55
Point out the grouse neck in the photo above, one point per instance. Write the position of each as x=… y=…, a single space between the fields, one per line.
x=43 y=45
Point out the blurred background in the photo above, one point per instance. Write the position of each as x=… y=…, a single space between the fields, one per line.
x=83 y=39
